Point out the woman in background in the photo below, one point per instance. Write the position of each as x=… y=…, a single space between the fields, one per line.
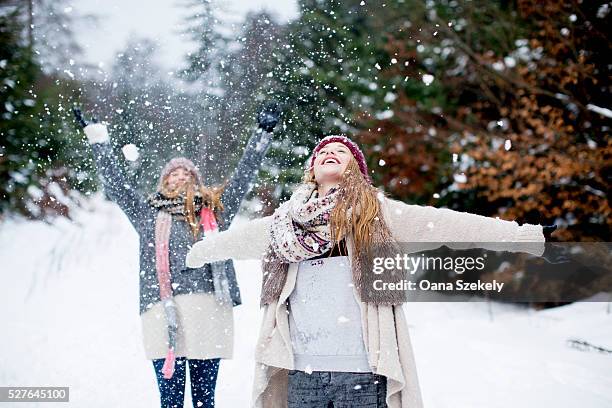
x=186 y=314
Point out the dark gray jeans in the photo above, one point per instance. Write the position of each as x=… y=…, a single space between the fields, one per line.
x=326 y=389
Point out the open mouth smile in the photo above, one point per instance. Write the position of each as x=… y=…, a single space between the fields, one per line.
x=331 y=160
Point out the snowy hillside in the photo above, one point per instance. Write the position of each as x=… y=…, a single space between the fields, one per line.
x=69 y=311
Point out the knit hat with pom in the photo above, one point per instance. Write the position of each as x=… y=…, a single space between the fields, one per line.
x=352 y=146
x=175 y=164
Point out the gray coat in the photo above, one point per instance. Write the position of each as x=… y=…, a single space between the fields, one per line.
x=142 y=217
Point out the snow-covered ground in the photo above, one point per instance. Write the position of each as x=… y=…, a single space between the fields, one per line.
x=69 y=315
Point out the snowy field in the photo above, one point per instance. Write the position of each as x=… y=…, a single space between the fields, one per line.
x=69 y=315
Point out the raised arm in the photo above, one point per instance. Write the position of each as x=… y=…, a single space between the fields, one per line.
x=116 y=184
x=245 y=241
x=415 y=223
x=244 y=174
x=249 y=164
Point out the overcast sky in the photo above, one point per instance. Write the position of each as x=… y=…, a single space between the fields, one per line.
x=160 y=20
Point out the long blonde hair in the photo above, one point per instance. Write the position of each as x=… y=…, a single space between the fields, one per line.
x=211 y=198
x=357 y=211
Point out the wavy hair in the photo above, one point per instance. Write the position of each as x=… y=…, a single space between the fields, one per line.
x=211 y=198
x=357 y=211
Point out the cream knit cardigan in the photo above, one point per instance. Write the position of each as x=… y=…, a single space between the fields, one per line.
x=385 y=330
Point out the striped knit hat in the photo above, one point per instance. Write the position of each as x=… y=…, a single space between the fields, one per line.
x=175 y=164
x=352 y=146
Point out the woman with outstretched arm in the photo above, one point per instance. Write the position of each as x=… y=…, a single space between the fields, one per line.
x=186 y=314
x=322 y=342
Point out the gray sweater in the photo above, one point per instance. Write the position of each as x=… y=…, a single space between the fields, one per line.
x=325 y=319
x=142 y=217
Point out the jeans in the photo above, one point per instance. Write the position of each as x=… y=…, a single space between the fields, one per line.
x=327 y=389
x=203 y=376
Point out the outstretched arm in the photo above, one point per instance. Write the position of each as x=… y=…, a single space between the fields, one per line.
x=246 y=241
x=249 y=164
x=461 y=230
x=116 y=184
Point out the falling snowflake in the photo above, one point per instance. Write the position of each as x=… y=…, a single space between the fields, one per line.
x=130 y=151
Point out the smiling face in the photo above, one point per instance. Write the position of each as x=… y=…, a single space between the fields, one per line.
x=177 y=178
x=330 y=163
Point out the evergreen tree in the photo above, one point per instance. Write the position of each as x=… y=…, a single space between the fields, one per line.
x=149 y=112
x=202 y=72
x=326 y=73
x=247 y=85
x=38 y=153
x=200 y=26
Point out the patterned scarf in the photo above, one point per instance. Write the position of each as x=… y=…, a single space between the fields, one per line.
x=301 y=230
x=174 y=205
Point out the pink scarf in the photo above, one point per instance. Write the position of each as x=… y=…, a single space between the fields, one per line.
x=163 y=224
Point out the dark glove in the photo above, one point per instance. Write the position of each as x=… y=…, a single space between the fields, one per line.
x=78 y=115
x=554 y=253
x=95 y=132
x=548 y=230
x=268 y=116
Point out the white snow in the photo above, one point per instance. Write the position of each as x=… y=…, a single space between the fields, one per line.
x=69 y=73
x=386 y=114
x=130 y=152
x=603 y=10
x=498 y=66
x=69 y=309
x=510 y=62
x=460 y=178
x=390 y=97
x=427 y=79
x=598 y=109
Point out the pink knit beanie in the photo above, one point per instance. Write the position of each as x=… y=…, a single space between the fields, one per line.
x=352 y=146
x=175 y=164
